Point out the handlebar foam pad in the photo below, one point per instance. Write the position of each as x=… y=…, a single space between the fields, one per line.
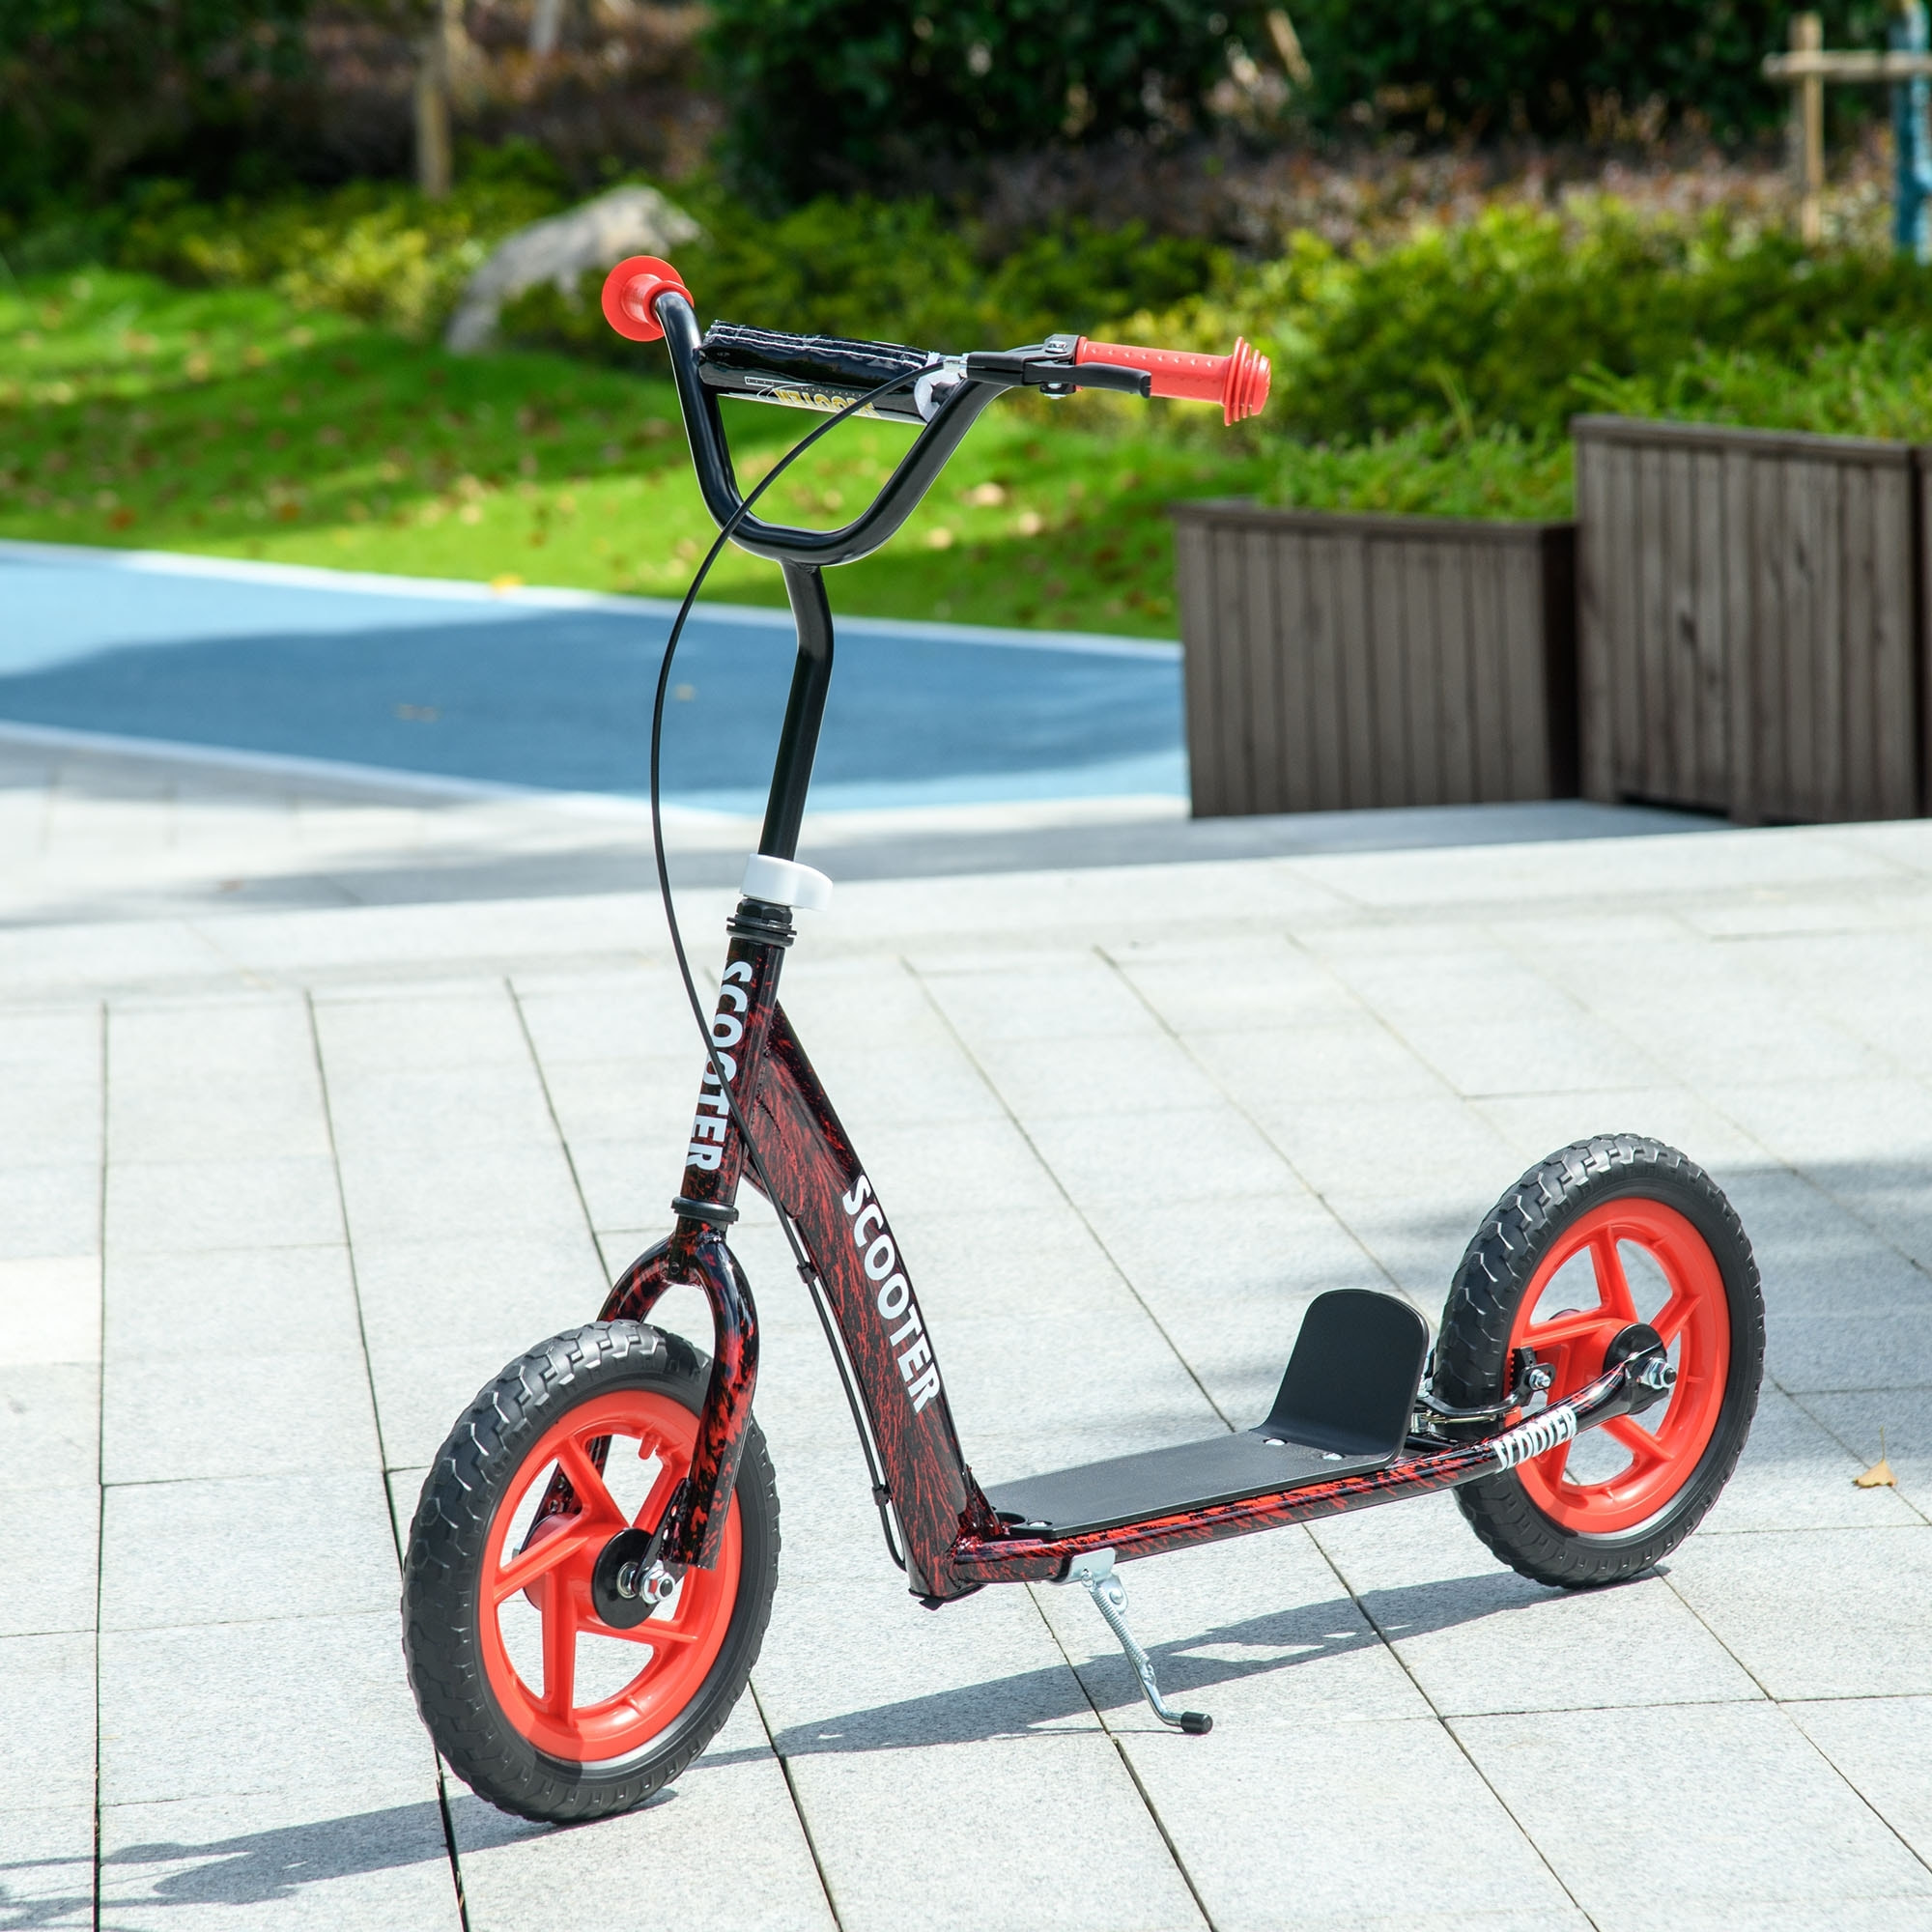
x=630 y=291
x=1237 y=381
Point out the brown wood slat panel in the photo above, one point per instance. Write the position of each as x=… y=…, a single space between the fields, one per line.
x=1679 y=570
x=1236 y=751
x=1491 y=702
x=1327 y=675
x=1265 y=670
x=1462 y=722
x=1660 y=776
x=1805 y=627
x=1743 y=740
x=1626 y=673
x=1524 y=725
x=1597 y=536
x=1413 y=581
x=1771 y=545
x=1898 y=749
x=1857 y=750
x=1287 y=561
x=1709 y=621
x=1199 y=669
x=1361 y=767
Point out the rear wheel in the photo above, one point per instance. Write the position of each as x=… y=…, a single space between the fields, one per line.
x=1609 y=1232
x=533 y=1699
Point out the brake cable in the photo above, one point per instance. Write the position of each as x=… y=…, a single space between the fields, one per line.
x=807 y=1269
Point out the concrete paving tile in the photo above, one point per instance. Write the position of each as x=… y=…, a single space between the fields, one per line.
x=49 y=1428
x=960 y=1166
x=859 y=1666
x=402 y=1111
x=1100 y=1075
x=1704 y=1768
x=186 y=1307
x=519 y=1877
x=1896 y=1424
x=217 y=1118
x=524 y=1190
x=52 y=1117
x=46 y=1724
x=52 y=1547
x=321 y=1857
x=1796 y=1475
x=624 y=1181
x=501 y=1292
x=1536 y=1125
x=245 y=1549
x=643 y=1103
x=1480 y=1639
x=49 y=1311
x=156 y=1043
x=1060 y=994
x=1882 y=1748
x=195 y=1207
x=47 y=1868
x=221 y=1710
x=459 y=1024
x=1298 y=1828
x=1159 y=1157
x=1059 y=1805
x=1817 y=1613
x=49 y=1043
x=51 y=1212
x=1256 y=1632
x=1500 y=1055
x=1348 y=1055
x=239 y=1415
x=1835 y=1352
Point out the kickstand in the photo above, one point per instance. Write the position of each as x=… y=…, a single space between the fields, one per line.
x=1110 y=1598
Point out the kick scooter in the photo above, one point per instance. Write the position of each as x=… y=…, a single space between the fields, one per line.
x=1587 y=1396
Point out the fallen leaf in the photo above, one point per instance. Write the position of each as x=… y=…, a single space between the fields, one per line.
x=1879 y=1476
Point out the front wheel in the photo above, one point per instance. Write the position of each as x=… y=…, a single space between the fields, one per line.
x=534 y=1701
x=1609 y=1232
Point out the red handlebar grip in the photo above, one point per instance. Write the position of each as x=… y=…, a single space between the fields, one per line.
x=1239 y=382
x=630 y=291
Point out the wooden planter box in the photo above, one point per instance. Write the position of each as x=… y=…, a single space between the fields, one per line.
x=1748 y=620
x=1335 y=661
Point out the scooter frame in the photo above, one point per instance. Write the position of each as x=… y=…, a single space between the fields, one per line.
x=938 y=1521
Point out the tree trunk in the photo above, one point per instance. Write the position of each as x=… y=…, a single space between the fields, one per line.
x=432 y=149
x=545 y=23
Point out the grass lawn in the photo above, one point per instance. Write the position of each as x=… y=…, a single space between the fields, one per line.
x=136 y=413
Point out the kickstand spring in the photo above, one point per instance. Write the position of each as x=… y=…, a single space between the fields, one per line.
x=1110 y=1598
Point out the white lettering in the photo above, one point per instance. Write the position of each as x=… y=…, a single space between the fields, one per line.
x=856 y=1198
x=710 y=1158
x=880 y=1257
x=729 y=1065
x=739 y=969
x=728 y=1028
x=738 y=993
x=913 y=1326
x=708 y=1127
x=892 y=1305
x=924 y=1389
x=914 y=1359
x=873 y=1212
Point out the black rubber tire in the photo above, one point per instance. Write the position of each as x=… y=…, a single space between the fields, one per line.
x=1473 y=1351
x=442 y=1572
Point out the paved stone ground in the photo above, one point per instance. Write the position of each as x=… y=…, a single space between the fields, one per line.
x=281 y=1184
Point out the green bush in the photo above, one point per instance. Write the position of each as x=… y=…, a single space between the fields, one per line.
x=1497 y=316
x=1557 y=67
x=88 y=88
x=844 y=94
x=894 y=271
x=373 y=249
x=1438 y=470
x=1879 y=385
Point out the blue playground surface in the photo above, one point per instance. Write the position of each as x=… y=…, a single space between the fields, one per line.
x=553 y=690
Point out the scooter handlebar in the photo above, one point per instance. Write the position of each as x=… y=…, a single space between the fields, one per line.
x=1238 y=382
x=630 y=291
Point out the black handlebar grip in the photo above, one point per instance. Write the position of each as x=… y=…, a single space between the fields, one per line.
x=811 y=370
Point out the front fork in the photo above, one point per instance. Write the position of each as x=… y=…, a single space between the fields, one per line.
x=691 y=1529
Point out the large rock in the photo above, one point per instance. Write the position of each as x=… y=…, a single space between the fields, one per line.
x=598 y=235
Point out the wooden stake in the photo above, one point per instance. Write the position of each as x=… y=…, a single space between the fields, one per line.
x=1808 y=131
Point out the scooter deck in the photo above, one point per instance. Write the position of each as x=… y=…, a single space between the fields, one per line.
x=1344 y=1408
x=1165 y=1482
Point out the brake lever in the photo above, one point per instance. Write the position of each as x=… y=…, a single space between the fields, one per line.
x=1054 y=375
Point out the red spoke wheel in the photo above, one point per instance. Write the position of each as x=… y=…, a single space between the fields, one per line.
x=534 y=1700
x=1608 y=1232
